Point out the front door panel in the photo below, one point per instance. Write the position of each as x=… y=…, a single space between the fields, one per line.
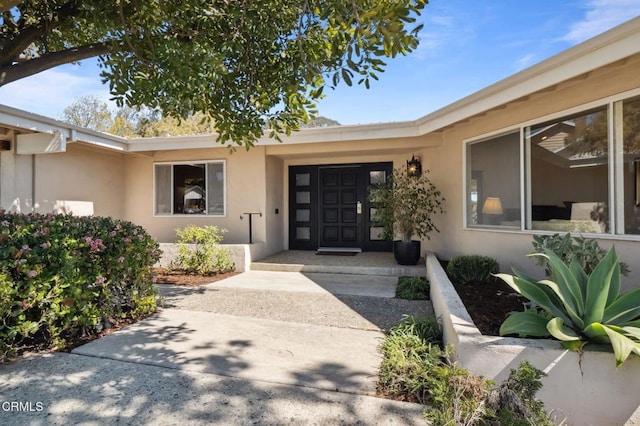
x=340 y=193
x=328 y=206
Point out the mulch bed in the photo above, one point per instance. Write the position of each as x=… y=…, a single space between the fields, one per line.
x=165 y=276
x=489 y=303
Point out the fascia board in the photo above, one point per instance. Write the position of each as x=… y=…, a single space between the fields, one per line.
x=611 y=46
x=18 y=119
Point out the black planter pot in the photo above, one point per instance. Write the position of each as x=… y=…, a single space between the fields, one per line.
x=406 y=252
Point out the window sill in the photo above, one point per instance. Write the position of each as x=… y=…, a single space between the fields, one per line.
x=506 y=230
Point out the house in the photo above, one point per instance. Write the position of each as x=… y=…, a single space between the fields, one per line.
x=555 y=147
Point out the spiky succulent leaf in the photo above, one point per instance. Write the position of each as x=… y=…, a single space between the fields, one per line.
x=580 y=274
x=568 y=285
x=575 y=316
x=525 y=324
x=603 y=282
x=621 y=344
x=541 y=295
x=561 y=332
x=625 y=308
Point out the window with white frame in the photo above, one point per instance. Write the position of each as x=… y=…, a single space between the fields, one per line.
x=580 y=173
x=493 y=181
x=194 y=188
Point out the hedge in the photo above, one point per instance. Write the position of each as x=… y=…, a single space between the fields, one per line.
x=62 y=277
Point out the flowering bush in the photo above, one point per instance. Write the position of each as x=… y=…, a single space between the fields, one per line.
x=63 y=276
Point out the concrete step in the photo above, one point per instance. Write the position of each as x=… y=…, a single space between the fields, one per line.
x=386 y=270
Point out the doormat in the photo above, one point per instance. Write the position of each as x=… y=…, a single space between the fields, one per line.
x=337 y=253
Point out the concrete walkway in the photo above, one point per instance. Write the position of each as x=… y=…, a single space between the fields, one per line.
x=205 y=367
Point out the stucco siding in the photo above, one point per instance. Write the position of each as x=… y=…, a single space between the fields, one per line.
x=80 y=174
x=446 y=163
x=245 y=188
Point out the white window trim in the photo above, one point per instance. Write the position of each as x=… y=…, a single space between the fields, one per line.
x=174 y=163
x=615 y=188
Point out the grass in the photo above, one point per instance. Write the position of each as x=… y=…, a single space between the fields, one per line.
x=412 y=288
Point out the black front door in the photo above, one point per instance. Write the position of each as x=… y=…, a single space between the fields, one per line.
x=341 y=197
x=328 y=207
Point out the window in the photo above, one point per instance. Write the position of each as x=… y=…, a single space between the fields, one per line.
x=630 y=170
x=190 y=188
x=493 y=181
x=581 y=173
x=569 y=173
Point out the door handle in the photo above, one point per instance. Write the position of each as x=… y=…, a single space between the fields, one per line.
x=359 y=207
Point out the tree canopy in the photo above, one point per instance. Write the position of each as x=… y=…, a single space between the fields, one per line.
x=246 y=64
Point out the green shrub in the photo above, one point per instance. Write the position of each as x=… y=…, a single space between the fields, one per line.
x=585 y=251
x=199 y=251
x=63 y=276
x=412 y=288
x=465 y=269
x=415 y=368
x=514 y=400
x=410 y=351
x=577 y=308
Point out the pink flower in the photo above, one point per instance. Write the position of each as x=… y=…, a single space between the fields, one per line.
x=126 y=239
x=112 y=234
x=99 y=281
x=45 y=245
x=121 y=259
x=154 y=279
x=32 y=273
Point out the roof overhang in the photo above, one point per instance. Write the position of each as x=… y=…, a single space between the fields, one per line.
x=612 y=46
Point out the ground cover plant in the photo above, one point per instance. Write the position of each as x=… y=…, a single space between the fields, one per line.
x=199 y=251
x=578 y=308
x=415 y=368
x=64 y=277
x=472 y=268
x=412 y=288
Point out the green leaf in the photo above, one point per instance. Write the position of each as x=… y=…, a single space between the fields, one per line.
x=568 y=284
x=528 y=323
x=539 y=294
x=561 y=332
x=622 y=345
x=625 y=308
x=603 y=281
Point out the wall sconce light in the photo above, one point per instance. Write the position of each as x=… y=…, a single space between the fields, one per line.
x=414 y=166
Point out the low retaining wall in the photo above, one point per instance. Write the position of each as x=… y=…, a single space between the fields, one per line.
x=241 y=254
x=587 y=391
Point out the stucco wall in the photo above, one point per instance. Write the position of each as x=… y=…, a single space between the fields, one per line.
x=446 y=163
x=80 y=174
x=274 y=211
x=245 y=192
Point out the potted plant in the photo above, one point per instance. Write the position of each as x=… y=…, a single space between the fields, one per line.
x=405 y=204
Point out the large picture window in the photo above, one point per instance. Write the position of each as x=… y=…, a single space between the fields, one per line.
x=190 y=188
x=493 y=181
x=569 y=173
x=581 y=174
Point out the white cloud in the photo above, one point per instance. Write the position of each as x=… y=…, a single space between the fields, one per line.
x=524 y=61
x=441 y=30
x=602 y=15
x=49 y=92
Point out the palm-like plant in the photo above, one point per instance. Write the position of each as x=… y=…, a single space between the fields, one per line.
x=577 y=308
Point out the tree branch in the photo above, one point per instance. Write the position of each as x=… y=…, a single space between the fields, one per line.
x=16 y=44
x=7 y=5
x=11 y=73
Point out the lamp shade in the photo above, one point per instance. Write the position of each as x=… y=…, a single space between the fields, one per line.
x=492 y=205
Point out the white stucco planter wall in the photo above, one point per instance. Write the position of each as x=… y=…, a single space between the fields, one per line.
x=241 y=254
x=590 y=391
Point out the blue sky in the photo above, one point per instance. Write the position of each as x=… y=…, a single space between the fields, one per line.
x=465 y=45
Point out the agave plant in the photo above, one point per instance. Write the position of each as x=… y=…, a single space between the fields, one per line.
x=577 y=308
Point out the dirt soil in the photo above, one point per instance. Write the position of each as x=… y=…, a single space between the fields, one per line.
x=188 y=280
x=489 y=303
